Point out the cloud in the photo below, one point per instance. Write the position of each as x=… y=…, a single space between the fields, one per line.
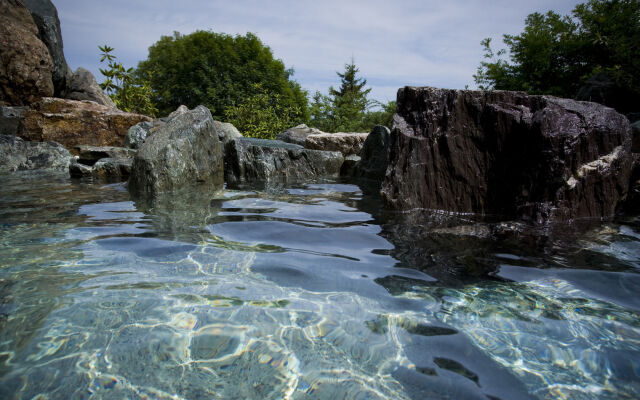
x=407 y=42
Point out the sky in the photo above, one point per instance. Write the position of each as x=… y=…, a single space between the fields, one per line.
x=394 y=43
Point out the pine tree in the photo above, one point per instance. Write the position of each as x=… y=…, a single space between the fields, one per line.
x=350 y=101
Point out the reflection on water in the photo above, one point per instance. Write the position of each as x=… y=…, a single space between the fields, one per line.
x=304 y=292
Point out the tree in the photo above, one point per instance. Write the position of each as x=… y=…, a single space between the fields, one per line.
x=128 y=92
x=218 y=71
x=557 y=55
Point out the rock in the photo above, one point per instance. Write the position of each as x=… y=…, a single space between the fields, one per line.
x=89 y=155
x=535 y=158
x=349 y=165
x=179 y=111
x=137 y=134
x=248 y=160
x=374 y=155
x=25 y=64
x=345 y=143
x=45 y=16
x=10 y=120
x=185 y=151
x=635 y=132
x=74 y=123
x=18 y=155
x=602 y=88
x=298 y=134
x=633 y=199
x=106 y=169
x=226 y=131
x=83 y=86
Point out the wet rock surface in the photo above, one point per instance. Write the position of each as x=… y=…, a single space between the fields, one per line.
x=25 y=64
x=183 y=152
x=107 y=169
x=72 y=123
x=248 y=159
x=18 y=155
x=345 y=143
x=534 y=158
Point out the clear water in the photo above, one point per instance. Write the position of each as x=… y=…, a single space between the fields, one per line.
x=305 y=292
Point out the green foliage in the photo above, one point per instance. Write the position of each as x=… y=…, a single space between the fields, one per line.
x=263 y=115
x=221 y=72
x=347 y=109
x=128 y=92
x=556 y=54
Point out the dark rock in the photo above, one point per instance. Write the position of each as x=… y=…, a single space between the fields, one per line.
x=185 y=151
x=10 y=120
x=536 y=158
x=248 y=159
x=105 y=169
x=18 y=155
x=89 y=155
x=83 y=86
x=72 y=123
x=635 y=132
x=602 y=88
x=297 y=135
x=45 y=16
x=137 y=134
x=632 y=204
x=374 y=155
x=25 y=64
x=349 y=165
x=226 y=131
x=345 y=143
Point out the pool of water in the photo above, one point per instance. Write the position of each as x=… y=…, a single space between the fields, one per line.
x=305 y=291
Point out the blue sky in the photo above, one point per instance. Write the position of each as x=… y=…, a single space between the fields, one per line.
x=394 y=43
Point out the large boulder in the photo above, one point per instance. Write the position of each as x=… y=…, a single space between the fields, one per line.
x=226 y=131
x=185 y=151
x=72 y=123
x=537 y=158
x=25 y=64
x=345 y=143
x=298 y=134
x=45 y=16
x=10 y=120
x=261 y=160
x=374 y=155
x=18 y=155
x=83 y=86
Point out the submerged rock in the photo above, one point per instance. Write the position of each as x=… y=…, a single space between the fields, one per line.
x=298 y=134
x=18 y=155
x=184 y=151
x=72 y=123
x=374 y=155
x=536 y=158
x=83 y=86
x=345 y=143
x=26 y=67
x=248 y=159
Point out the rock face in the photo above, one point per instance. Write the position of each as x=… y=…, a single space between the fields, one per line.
x=18 y=155
x=374 y=155
x=10 y=120
x=25 y=64
x=537 y=158
x=248 y=159
x=83 y=86
x=137 y=134
x=297 y=135
x=72 y=123
x=45 y=16
x=184 y=151
x=345 y=143
x=226 y=131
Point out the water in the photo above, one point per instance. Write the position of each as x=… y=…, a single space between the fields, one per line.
x=305 y=291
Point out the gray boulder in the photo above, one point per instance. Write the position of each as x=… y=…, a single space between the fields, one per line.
x=89 y=155
x=83 y=86
x=45 y=16
x=10 y=120
x=345 y=143
x=298 y=134
x=137 y=134
x=374 y=155
x=179 y=111
x=107 y=169
x=183 y=152
x=261 y=160
x=18 y=155
x=226 y=131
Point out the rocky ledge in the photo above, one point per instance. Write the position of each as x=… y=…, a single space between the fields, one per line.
x=534 y=158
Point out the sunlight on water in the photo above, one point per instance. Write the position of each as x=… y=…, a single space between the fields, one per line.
x=296 y=292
